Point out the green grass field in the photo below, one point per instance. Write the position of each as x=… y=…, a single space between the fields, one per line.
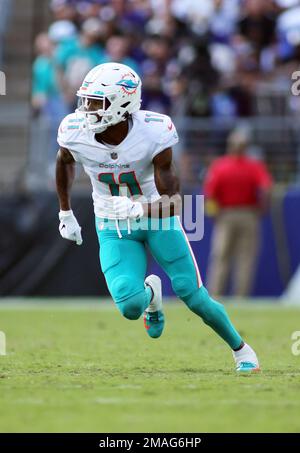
x=83 y=368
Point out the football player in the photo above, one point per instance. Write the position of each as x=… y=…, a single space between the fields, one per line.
x=121 y=146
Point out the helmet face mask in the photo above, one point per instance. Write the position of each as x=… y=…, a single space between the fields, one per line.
x=117 y=88
x=97 y=119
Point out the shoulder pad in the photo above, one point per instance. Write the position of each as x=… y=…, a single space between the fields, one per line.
x=69 y=129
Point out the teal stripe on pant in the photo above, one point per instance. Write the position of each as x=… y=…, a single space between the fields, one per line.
x=124 y=263
x=214 y=315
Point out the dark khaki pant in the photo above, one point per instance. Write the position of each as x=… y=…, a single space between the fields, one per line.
x=234 y=246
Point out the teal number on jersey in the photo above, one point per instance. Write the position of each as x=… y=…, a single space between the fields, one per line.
x=109 y=178
x=124 y=178
x=131 y=181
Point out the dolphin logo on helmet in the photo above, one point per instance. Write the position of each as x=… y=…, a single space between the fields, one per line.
x=118 y=86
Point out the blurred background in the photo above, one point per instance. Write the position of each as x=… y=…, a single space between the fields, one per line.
x=222 y=69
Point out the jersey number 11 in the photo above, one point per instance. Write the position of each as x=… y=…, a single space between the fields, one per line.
x=124 y=178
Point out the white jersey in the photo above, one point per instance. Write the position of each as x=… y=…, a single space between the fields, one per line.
x=128 y=165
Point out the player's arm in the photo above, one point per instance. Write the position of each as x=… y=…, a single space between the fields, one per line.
x=168 y=186
x=65 y=173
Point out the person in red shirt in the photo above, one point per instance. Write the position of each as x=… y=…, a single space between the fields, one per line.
x=238 y=188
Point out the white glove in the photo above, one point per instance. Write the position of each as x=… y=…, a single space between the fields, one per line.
x=124 y=208
x=69 y=227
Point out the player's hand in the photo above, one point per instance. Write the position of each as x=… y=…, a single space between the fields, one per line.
x=125 y=208
x=69 y=227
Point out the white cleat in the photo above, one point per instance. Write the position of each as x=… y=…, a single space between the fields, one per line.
x=246 y=360
x=154 y=319
x=155 y=284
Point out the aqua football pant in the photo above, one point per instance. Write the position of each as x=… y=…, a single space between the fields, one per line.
x=124 y=261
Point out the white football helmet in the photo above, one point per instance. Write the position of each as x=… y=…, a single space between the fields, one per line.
x=118 y=86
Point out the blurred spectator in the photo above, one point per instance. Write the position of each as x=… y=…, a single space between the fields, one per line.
x=155 y=70
x=117 y=49
x=63 y=10
x=203 y=79
x=46 y=95
x=257 y=24
x=237 y=189
x=288 y=33
x=135 y=16
x=48 y=103
x=196 y=14
x=76 y=54
x=224 y=20
x=64 y=38
x=210 y=57
x=62 y=31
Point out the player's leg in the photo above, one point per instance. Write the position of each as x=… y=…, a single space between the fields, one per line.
x=123 y=262
x=173 y=252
